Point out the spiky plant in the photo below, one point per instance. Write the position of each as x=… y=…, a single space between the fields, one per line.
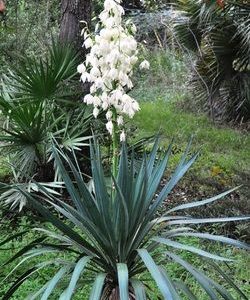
x=219 y=32
x=37 y=78
x=111 y=238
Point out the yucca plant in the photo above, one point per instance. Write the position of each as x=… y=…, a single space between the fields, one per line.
x=112 y=237
x=218 y=31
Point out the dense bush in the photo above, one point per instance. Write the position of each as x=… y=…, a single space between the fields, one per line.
x=26 y=27
x=154 y=28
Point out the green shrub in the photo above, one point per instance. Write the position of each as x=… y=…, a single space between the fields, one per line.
x=220 y=37
x=26 y=28
x=37 y=103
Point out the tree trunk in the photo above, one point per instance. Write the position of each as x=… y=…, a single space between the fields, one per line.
x=2 y=6
x=75 y=14
x=132 y=4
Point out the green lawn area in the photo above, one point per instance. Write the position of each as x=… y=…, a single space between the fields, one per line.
x=161 y=93
x=219 y=146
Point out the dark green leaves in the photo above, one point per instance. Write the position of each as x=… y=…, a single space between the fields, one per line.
x=220 y=36
x=38 y=79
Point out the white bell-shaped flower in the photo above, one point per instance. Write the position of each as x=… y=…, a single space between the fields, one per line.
x=109 y=65
x=144 y=65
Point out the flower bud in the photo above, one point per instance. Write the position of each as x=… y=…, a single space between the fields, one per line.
x=109 y=115
x=109 y=127
x=95 y=112
x=88 y=43
x=120 y=120
x=122 y=136
x=144 y=65
x=81 y=68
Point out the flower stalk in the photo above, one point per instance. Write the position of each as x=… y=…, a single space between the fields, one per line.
x=108 y=68
x=115 y=145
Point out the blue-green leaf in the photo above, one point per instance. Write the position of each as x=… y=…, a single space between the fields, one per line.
x=53 y=282
x=183 y=287
x=79 y=267
x=207 y=220
x=170 y=284
x=177 y=245
x=139 y=289
x=97 y=288
x=206 y=285
x=217 y=238
x=156 y=274
x=122 y=271
x=202 y=202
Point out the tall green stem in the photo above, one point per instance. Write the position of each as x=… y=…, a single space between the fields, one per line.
x=115 y=145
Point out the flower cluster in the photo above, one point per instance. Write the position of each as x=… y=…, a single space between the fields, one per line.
x=109 y=66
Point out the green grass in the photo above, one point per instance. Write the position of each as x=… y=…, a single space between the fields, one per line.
x=222 y=147
x=165 y=79
x=160 y=92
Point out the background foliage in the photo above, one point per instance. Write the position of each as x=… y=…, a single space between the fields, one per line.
x=165 y=98
x=220 y=36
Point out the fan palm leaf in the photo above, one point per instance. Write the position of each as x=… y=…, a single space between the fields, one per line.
x=222 y=44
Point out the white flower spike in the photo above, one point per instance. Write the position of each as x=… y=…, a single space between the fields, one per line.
x=109 y=66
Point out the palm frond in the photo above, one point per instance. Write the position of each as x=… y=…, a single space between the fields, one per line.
x=220 y=37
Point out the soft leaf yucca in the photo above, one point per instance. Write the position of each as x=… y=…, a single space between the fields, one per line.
x=111 y=238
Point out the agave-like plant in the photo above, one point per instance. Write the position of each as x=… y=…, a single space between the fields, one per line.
x=219 y=32
x=109 y=236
